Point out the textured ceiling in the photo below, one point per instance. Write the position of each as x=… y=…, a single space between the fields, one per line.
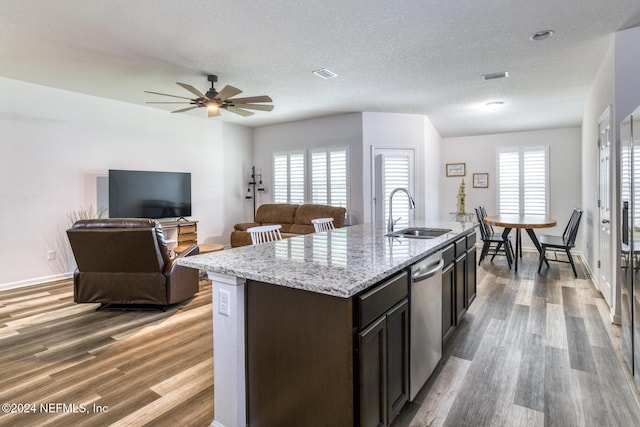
x=409 y=56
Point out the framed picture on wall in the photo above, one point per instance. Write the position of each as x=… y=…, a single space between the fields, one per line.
x=480 y=180
x=456 y=169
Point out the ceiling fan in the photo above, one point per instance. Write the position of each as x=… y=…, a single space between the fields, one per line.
x=213 y=100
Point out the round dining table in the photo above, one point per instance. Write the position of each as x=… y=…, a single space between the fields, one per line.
x=519 y=222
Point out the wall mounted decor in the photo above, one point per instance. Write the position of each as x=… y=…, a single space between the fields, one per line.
x=480 y=180
x=456 y=169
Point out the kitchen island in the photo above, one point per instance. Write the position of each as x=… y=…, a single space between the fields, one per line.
x=286 y=317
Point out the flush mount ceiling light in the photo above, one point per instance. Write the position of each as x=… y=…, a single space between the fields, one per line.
x=498 y=75
x=494 y=105
x=325 y=74
x=541 y=35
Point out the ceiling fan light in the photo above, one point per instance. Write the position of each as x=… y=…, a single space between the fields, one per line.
x=213 y=106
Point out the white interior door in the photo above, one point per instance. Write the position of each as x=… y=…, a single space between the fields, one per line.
x=605 y=269
x=393 y=168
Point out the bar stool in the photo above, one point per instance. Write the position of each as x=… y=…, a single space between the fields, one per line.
x=322 y=224
x=265 y=233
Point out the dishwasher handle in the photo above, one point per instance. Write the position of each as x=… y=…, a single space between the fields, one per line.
x=420 y=275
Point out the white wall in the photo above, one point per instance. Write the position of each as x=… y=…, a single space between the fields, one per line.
x=387 y=130
x=627 y=63
x=54 y=144
x=601 y=96
x=360 y=132
x=332 y=131
x=479 y=154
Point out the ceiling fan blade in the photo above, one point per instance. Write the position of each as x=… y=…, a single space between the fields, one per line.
x=193 y=90
x=251 y=99
x=254 y=106
x=227 y=92
x=213 y=113
x=185 y=109
x=164 y=94
x=243 y=113
x=167 y=102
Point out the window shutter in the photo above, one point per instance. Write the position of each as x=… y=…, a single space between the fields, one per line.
x=338 y=177
x=319 y=177
x=523 y=184
x=280 y=178
x=396 y=173
x=329 y=180
x=535 y=182
x=509 y=182
x=288 y=177
x=296 y=178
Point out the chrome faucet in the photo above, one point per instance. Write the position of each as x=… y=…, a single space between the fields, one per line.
x=412 y=205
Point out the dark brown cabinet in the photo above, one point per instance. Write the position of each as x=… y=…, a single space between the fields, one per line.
x=458 y=282
x=461 y=282
x=373 y=361
x=383 y=346
x=448 y=292
x=315 y=360
x=397 y=359
x=471 y=275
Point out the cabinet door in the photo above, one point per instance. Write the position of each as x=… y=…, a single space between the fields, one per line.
x=397 y=359
x=448 y=291
x=461 y=280
x=373 y=374
x=471 y=276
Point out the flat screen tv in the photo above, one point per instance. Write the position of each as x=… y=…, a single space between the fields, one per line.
x=148 y=194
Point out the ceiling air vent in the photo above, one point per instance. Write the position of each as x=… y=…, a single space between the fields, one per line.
x=325 y=74
x=492 y=76
x=541 y=35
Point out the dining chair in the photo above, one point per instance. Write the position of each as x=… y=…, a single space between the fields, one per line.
x=561 y=243
x=492 y=241
x=322 y=224
x=483 y=211
x=265 y=233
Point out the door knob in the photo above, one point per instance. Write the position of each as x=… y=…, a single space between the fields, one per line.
x=605 y=221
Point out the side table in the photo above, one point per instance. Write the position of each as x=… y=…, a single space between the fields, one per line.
x=205 y=248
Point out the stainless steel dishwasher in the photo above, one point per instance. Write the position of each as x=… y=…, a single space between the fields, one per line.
x=425 y=311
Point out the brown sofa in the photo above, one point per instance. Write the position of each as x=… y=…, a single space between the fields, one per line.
x=127 y=262
x=295 y=220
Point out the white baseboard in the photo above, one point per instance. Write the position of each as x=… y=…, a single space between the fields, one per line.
x=35 y=281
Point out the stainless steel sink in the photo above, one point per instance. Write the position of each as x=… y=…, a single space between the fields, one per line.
x=420 y=232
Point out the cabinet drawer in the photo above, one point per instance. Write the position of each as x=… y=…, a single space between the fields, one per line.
x=461 y=246
x=375 y=302
x=448 y=254
x=184 y=229
x=471 y=240
x=189 y=237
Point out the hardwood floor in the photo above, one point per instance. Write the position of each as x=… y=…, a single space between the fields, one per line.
x=533 y=350
x=144 y=367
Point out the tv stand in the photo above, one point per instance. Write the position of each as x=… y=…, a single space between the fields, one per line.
x=180 y=232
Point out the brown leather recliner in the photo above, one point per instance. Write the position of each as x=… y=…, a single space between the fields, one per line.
x=126 y=261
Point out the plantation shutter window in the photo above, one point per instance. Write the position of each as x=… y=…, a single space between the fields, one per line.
x=329 y=180
x=289 y=177
x=523 y=180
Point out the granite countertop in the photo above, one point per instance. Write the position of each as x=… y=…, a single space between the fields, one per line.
x=341 y=262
